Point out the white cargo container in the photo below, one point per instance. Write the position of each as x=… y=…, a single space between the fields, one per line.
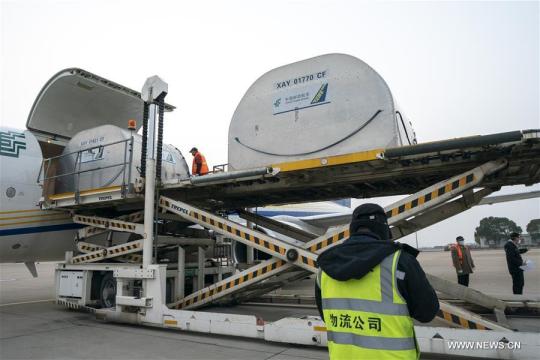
x=328 y=105
x=94 y=159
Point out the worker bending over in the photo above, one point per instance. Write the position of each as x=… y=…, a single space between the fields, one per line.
x=369 y=289
x=199 y=166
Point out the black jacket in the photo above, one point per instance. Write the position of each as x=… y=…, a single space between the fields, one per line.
x=362 y=252
x=513 y=257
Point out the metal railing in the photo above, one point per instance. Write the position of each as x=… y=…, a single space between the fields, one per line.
x=49 y=176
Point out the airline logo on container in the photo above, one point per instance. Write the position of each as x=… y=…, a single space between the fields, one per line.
x=290 y=97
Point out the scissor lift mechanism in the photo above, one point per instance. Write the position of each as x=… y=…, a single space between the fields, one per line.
x=289 y=261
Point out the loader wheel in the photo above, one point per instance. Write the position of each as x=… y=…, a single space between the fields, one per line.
x=107 y=291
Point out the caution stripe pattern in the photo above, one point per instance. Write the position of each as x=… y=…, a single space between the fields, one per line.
x=432 y=195
x=89 y=220
x=305 y=258
x=105 y=223
x=122 y=225
x=229 y=229
x=91 y=230
x=91 y=257
x=234 y=283
x=86 y=247
x=111 y=252
x=460 y=321
x=328 y=241
x=123 y=248
x=205 y=295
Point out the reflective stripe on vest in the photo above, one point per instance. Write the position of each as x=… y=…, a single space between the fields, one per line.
x=367 y=317
x=371 y=342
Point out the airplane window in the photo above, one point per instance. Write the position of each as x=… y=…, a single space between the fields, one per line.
x=10 y=192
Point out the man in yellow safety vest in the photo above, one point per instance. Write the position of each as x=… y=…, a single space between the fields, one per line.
x=369 y=289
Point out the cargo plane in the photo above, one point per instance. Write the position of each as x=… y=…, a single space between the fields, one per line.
x=65 y=116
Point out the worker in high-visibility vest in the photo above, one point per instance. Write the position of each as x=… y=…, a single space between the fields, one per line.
x=462 y=260
x=199 y=166
x=369 y=289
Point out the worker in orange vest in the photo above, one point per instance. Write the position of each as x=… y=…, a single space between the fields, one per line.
x=199 y=166
x=462 y=260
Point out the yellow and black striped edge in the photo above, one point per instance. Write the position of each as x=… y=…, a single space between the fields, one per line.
x=90 y=230
x=342 y=235
x=330 y=240
x=101 y=253
x=123 y=226
x=239 y=279
x=88 y=247
x=460 y=321
x=123 y=248
x=239 y=233
x=229 y=283
x=89 y=257
x=423 y=199
x=229 y=229
x=88 y=220
x=308 y=261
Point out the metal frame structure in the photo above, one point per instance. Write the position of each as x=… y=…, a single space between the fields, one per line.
x=141 y=282
x=84 y=196
x=286 y=255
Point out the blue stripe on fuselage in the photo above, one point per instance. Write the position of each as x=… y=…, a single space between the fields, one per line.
x=40 y=229
x=292 y=213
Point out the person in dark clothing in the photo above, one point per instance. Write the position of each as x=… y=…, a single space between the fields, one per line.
x=514 y=261
x=368 y=246
x=462 y=260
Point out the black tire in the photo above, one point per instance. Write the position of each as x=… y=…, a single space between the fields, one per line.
x=107 y=291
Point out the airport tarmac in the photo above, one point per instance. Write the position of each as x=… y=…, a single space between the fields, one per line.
x=33 y=327
x=490 y=274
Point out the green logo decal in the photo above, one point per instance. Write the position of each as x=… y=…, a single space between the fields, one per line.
x=11 y=143
x=321 y=94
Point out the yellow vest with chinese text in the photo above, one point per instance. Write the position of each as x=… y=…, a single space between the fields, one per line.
x=367 y=318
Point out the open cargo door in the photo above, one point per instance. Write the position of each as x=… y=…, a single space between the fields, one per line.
x=74 y=100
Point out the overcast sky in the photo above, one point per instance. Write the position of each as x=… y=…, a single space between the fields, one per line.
x=456 y=68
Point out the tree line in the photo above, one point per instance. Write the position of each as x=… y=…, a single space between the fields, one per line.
x=500 y=228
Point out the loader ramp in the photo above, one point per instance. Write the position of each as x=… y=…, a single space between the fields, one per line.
x=383 y=172
x=379 y=172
